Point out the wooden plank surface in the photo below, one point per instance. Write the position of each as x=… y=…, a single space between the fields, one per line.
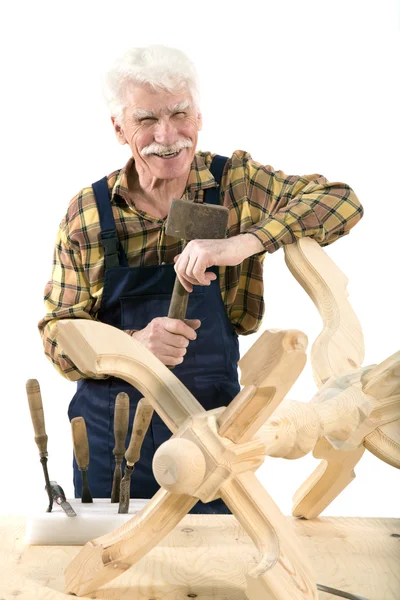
x=207 y=556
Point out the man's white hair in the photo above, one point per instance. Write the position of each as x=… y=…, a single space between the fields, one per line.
x=160 y=67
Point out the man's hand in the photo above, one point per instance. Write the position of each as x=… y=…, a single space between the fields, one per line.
x=168 y=338
x=199 y=255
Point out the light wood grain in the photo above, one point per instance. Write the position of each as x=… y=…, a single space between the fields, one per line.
x=352 y=403
x=340 y=346
x=384 y=443
x=282 y=572
x=269 y=369
x=209 y=556
x=103 y=559
x=101 y=350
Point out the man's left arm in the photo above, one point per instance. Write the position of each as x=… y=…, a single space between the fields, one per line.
x=277 y=210
x=292 y=207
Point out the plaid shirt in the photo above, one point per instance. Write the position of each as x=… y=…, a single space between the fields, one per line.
x=275 y=207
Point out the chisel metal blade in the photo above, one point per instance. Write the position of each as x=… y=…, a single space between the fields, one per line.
x=125 y=490
x=60 y=499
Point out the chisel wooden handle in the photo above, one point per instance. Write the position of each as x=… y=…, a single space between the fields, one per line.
x=143 y=415
x=80 y=441
x=37 y=415
x=121 y=422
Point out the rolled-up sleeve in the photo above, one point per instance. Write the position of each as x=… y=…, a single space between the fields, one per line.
x=287 y=207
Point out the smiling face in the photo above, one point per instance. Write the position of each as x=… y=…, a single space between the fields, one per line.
x=161 y=130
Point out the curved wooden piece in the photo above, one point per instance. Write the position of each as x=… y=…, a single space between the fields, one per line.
x=340 y=346
x=338 y=349
x=269 y=369
x=283 y=571
x=383 y=382
x=98 y=350
x=106 y=557
x=332 y=476
x=384 y=443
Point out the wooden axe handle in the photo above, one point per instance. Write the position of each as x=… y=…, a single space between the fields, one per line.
x=179 y=301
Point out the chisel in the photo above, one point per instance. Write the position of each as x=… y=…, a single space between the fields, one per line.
x=37 y=415
x=143 y=415
x=81 y=452
x=59 y=497
x=121 y=422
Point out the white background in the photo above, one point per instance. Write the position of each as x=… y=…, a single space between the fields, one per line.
x=307 y=87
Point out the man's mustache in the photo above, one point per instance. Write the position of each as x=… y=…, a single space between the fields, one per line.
x=155 y=148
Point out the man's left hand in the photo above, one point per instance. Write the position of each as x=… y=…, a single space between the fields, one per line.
x=199 y=255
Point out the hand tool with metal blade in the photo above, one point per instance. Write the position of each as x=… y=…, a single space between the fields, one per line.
x=59 y=498
x=192 y=221
x=37 y=415
x=121 y=422
x=143 y=415
x=81 y=451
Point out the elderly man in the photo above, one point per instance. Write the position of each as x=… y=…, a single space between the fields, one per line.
x=114 y=262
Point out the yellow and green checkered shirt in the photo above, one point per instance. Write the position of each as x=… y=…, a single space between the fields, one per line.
x=275 y=207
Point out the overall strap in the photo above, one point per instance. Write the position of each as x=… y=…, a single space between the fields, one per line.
x=114 y=254
x=211 y=195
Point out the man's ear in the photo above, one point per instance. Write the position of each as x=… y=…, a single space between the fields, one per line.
x=119 y=132
x=200 y=121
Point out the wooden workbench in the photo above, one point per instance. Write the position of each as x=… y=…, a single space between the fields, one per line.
x=206 y=558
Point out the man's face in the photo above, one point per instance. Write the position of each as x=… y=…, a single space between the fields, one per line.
x=161 y=130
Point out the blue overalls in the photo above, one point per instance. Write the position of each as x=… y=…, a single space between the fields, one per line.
x=132 y=297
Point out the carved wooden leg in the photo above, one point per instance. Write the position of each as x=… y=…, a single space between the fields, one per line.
x=106 y=557
x=330 y=478
x=283 y=572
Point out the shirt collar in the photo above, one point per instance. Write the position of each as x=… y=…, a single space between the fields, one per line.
x=199 y=178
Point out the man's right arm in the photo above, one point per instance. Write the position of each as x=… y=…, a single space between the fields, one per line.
x=67 y=295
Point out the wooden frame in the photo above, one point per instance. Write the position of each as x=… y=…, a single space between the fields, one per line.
x=224 y=447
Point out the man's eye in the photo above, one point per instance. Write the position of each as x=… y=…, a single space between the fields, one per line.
x=147 y=119
x=178 y=114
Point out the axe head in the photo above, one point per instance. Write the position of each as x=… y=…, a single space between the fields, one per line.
x=190 y=220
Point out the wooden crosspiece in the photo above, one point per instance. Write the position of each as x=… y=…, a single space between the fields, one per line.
x=218 y=466
x=214 y=454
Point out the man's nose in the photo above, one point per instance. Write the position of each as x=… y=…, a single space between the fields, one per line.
x=165 y=132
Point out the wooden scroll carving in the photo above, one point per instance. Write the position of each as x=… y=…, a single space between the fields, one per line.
x=358 y=407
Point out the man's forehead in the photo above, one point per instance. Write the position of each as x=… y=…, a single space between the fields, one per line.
x=145 y=99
